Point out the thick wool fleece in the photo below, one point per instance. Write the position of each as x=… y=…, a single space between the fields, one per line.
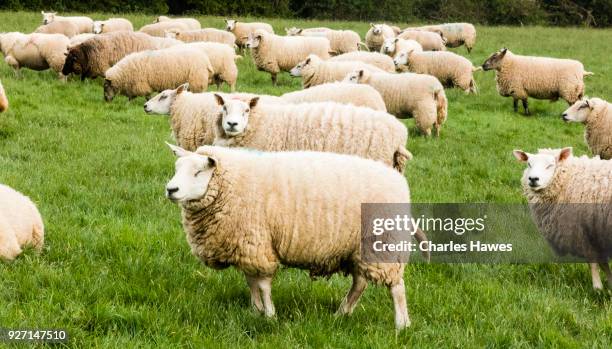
x=66 y=28
x=85 y=24
x=372 y=58
x=448 y=67
x=341 y=41
x=242 y=31
x=223 y=60
x=318 y=71
x=207 y=34
x=117 y=24
x=20 y=224
x=159 y=29
x=598 y=131
x=359 y=95
x=430 y=41
x=456 y=34
x=38 y=52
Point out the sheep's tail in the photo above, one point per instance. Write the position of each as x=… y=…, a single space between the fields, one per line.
x=587 y=73
x=400 y=158
x=441 y=106
x=475 y=69
x=362 y=44
x=420 y=236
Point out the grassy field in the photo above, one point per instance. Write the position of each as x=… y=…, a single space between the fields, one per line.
x=117 y=272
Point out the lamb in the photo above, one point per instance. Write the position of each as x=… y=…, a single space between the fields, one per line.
x=327 y=126
x=20 y=224
x=393 y=46
x=596 y=115
x=315 y=71
x=377 y=34
x=85 y=24
x=429 y=41
x=141 y=73
x=242 y=31
x=191 y=23
x=207 y=34
x=160 y=29
x=59 y=27
x=356 y=94
x=240 y=195
x=341 y=41
x=456 y=34
x=4 y=104
x=35 y=51
x=95 y=56
x=521 y=77
x=112 y=25
x=448 y=67
x=408 y=94
x=273 y=53
x=570 y=199
x=372 y=58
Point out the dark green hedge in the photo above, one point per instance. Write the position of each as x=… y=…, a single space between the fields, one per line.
x=511 y=12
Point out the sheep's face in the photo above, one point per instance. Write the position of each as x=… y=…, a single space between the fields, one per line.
x=388 y=46
x=377 y=29
x=235 y=114
x=171 y=34
x=579 y=111
x=48 y=17
x=98 y=27
x=355 y=77
x=72 y=63
x=495 y=60
x=293 y=31
x=192 y=175
x=109 y=90
x=253 y=41
x=401 y=58
x=230 y=24
x=541 y=167
x=297 y=70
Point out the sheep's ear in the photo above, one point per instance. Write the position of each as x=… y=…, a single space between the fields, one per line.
x=219 y=98
x=178 y=151
x=253 y=102
x=102 y=25
x=503 y=51
x=42 y=13
x=300 y=31
x=184 y=87
x=212 y=162
x=371 y=25
x=307 y=61
x=520 y=155
x=360 y=74
x=396 y=40
x=587 y=102
x=565 y=153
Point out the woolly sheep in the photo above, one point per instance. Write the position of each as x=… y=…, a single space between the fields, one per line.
x=95 y=56
x=141 y=73
x=596 y=115
x=59 y=27
x=448 y=67
x=35 y=51
x=558 y=187
x=372 y=58
x=4 y=104
x=456 y=34
x=273 y=53
x=429 y=41
x=293 y=31
x=206 y=34
x=20 y=224
x=392 y=46
x=291 y=127
x=315 y=71
x=356 y=94
x=112 y=25
x=521 y=77
x=85 y=24
x=341 y=41
x=191 y=23
x=160 y=29
x=377 y=34
x=242 y=31
x=408 y=94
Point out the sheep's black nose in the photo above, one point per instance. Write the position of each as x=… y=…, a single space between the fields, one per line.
x=533 y=180
x=232 y=124
x=171 y=191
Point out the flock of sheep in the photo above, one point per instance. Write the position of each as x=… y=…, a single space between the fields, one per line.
x=308 y=159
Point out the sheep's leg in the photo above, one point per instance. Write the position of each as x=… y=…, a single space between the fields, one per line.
x=398 y=293
x=62 y=77
x=265 y=287
x=273 y=76
x=595 y=277
x=437 y=128
x=526 y=106
x=515 y=105
x=350 y=301
x=606 y=268
x=255 y=294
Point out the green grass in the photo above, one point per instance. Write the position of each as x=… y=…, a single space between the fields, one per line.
x=117 y=272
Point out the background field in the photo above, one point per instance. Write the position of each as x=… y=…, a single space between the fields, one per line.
x=117 y=272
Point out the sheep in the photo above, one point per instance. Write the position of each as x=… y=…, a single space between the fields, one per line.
x=341 y=41
x=242 y=31
x=392 y=46
x=141 y=73
x=85 y=24
x=20 y=224
x=206 y=34
x=191 y=23
x=569 y=199
x=112 y=25
x=273 y=53
x=315 y=71
x=326 y=126
x=4 y=104
x=596 y=115
x=372 y=58
x=377 y=34
x=160 y=29
x=456 y=34
x=521 y=77
x=95 y=56
x=419 y=95
x=59 y=27
x=358 y=95
x=35 y=51
x=249 y=199
x=448 y=67
x=429 y=41
x=293 y=31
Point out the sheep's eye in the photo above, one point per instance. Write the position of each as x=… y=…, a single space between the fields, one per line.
x=248 y=110
x=225 y=109
x=197 y=173
x=585 y=105
x=549 y=167
x=162 y=98
x=529 y=165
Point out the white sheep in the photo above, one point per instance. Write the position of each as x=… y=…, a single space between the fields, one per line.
x=273 y=53
x=206 y=34
x=249 y=200
x=160 y=29
x=66 y=28
x=35 y=51
x=85 y=24
x=359 y=95
x=570 y=200
x=112 y=25
x=191 y=23
x=377 y=34
x=4 y=103
x=242 y=30
x=418 y=95
x=521 y=77
x=315 y=71
x=456 y=34
x=372 y=58
x=596 y=115
x=392 y=46
x=293 y=31
x=429 y=41
x=20 y=224
x=341 y=41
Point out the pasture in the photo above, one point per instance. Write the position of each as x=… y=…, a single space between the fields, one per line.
x=116 y=270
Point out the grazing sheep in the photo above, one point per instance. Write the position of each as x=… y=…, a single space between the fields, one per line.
x=59 y=27
x=242 y=31
x=570 y=200
x=141 y=73
x=448 y=67
x=79 y=39
x=596 y=115
x=392 y=46
x=95 y=56
x=315 y=71
x=377 y=34
x=341 y=41
x=273 y=53
x=4 y=104
x=238 y=209
x=112 y=25
x=191 y=23
x=293 y=31
x=326 y=126
x=408 y=94
x=429 y=41
x=85 y=24
x=521 y=77
x=36 y=51
x=456 y=34
x=356 y=94
x=372 y=58
x=20 y=224
x=207 y=34
x=160 y=29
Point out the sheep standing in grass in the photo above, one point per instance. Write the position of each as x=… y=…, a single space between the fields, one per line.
x=341 y=41
x=377 y=34
x=521 y=77
x=315 y=71
x=273 y=53
x=85 y=24
x=35 y=51
x=4 y=104
x=392 y=46
x=20 y=224
x=238 y=209
x=429 y=41
x=450 y=68
x=356 y=94
x=372 y=58
x=570 y=200
x=59 y=27
x=160 y=29
x=596 y=115
x=242 y=31
x=206 y=34
x=456 y=34
x=191 y=23
x=112 y=25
